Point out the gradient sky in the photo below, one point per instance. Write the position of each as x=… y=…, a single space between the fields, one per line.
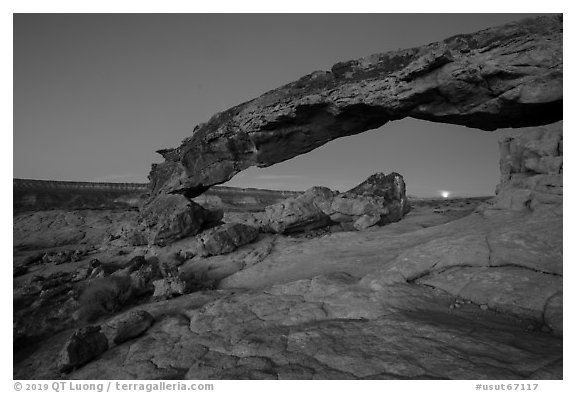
x=95 y=95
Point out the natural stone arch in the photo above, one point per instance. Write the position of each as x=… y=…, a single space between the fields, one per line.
x=508 y=76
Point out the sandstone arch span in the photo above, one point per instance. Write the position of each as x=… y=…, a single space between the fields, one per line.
x=507 y=76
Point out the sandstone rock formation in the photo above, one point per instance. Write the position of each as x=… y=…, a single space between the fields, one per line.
x=219 y=240
x=172 y=217
x=225 y=238
x=327 y=327
x=132 y=325
x=84 y=345
x=294 y=215
x=233 y=199
x=44 y=305
x=507 y=76
x=531 y=169
x=381 y=199
x=391 y=187
x=377 y=304
x=171 y=286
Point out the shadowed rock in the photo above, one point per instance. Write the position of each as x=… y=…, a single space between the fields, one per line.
x=84 y=345
x=172 y=217
x=507 y=76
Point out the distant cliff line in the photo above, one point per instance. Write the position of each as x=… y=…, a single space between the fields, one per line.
x=77 y=185
x=22 y=184
x=33 y=195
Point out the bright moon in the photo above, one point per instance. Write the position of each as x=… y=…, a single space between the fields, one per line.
x=445 y=194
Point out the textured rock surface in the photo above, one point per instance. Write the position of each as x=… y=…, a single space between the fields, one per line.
x=507 y=76
x=172 y=217
x=353 y=305
x=294 y=215
x=391 y=187
x=44 y=305
x=219 y=240
x=506 y=289
x=531 y=167
x=58 y=228
x=326 y=327
x=133 y=324
x=441 y=256
x=381 y=199
x=170 y=286
x=84 y=345
x=225 y=238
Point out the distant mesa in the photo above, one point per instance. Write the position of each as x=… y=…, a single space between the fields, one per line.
x=36 y=195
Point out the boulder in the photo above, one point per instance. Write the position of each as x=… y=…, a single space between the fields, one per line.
x=366 y=221
x=294 y=215
x=219 y=240
x=380 y=199
x=132 y=325
x=84 y=345
x=226 y=238
x=170 y=287
x=172 y=217
x=391 y=187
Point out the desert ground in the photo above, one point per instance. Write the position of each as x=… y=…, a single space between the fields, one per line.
x=323 y=303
